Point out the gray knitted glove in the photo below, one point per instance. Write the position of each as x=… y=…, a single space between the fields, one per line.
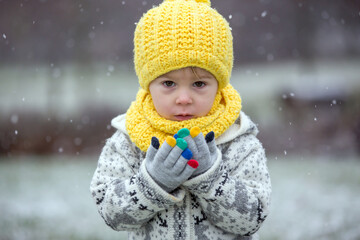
x=203 y=149
x=170 y=165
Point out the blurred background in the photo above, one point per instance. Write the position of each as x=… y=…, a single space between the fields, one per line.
x=66 y=69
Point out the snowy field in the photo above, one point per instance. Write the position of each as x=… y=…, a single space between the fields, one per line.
x=48 y=198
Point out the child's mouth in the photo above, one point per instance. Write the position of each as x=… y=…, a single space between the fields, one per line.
x=183 y=117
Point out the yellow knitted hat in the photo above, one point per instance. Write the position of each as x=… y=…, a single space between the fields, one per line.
x=182 y=33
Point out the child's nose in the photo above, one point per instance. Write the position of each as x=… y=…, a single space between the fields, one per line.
x=184 y=97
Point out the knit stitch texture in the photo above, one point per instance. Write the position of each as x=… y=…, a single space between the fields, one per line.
x=143 y=122
x=229 y=201
x=179 y=34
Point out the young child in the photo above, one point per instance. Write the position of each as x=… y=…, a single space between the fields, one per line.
x=185 y=162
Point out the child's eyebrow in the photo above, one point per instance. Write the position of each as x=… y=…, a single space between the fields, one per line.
x=165 y=75
x=168 y=75
x=204 y=75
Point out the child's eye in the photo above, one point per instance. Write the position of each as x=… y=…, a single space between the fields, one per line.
x=199 y=84
x=168 y=83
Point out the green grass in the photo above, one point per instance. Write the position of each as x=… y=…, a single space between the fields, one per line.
x=48 y=198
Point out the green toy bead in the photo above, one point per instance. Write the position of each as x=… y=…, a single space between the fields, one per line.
x=181 y=143
x=183 y=133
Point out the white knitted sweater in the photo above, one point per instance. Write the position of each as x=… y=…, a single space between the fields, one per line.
x=229 y=201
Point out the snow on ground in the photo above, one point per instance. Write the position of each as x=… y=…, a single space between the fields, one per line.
x=314 y=198
x=48 y=198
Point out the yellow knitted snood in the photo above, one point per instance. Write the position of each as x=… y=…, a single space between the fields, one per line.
x=143 y=122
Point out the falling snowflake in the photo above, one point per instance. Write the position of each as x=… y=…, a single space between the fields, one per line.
x=14 y=119
x=77 y=141
x=111 y=68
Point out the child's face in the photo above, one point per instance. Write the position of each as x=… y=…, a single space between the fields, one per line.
x=184 y=94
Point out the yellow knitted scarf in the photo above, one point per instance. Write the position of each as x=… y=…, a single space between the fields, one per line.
x=143 y=122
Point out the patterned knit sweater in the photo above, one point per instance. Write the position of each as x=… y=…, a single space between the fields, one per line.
x=229 y=201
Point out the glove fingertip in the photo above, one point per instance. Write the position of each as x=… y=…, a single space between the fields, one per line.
x=194 y=131
x=171 y=141
x=181 y=143
x=187 y=154
x=155 y=142
x=209 y=137
x=183 y=132
x=193 y=163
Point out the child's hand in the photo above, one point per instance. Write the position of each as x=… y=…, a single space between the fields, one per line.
x=170 y=165
x=203 y=149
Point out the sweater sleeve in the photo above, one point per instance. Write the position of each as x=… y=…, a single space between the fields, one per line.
x=234 y=193
x=125 y=194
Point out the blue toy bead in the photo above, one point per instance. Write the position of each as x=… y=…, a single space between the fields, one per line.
x=176 y=136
